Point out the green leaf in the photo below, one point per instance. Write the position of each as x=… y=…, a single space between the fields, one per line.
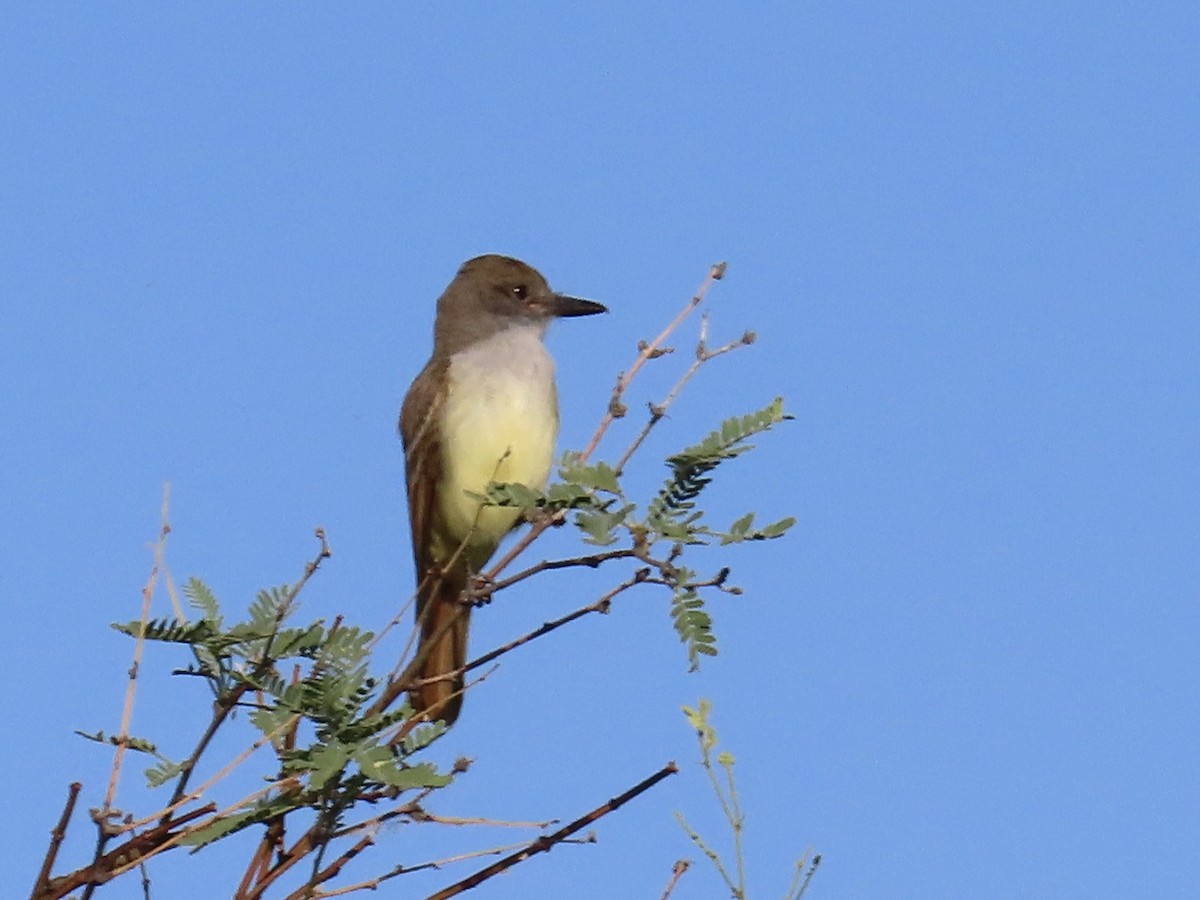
x=271 y=607
x=169 y=631
x=219 y=828
x=777 y=529
x=326 y=762
x=421 y=736
x=203 y=599
x=569 y=495
x=693 y=625
x=601 y=526
x=698 y=718
x=345 y=647
x=271 y=720
x=742 y=525
x=671 y=513
x=297 y=642
x=513 y=494
x=380 y=764
x=596 y=476
x=162 y=772
x=741 y=531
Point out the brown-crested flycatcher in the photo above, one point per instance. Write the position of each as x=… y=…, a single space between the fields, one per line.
x=484 y=408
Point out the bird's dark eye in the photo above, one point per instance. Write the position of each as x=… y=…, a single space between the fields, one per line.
x=520 y=292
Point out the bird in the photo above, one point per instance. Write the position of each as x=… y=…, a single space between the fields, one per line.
x=483 y=409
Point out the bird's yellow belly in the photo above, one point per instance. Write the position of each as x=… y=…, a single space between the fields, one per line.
x=502 y=428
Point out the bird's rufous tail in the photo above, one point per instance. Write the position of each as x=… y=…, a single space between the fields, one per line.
x=444 y=619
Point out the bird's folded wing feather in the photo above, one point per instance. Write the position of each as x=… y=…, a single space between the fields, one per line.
x=423 y=463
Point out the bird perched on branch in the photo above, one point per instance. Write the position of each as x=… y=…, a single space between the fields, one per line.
x=484 y=409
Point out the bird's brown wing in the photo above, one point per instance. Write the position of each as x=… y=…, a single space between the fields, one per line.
x=442 y=616
x=423 y=457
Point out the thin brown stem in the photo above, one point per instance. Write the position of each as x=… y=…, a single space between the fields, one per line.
x=332 y=870
x=131 y=853
x=599 y=606
x=658 y=411
x=592 y=561
x=374 y=883
x=139 y=645
x=56 y=839
x=547 y=842
x=681 y=866
x=647 y=352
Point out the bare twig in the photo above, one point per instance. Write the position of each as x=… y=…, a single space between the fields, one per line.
x=708 y=851
x=403 y=680
x=139 y=848
x=414 y=812
x=374 y=883
x=168 y=811
x=423 y=816
x=547 y=842
x=138 y=647
x=121 y=858
x=658 y=411
x=599 y=606
x=333 y=869
x=592 y=561
x=681 y=866
x=56 y=839
x=648 y=351
x=800 y=884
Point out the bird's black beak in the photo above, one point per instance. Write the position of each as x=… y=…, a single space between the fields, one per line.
x=566 y=307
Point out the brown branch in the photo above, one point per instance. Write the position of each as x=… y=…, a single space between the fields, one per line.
x=331 y=871
x=600 y=606
x=543 y=524
x=260 y=861
x=648 y=351
x=374 y=883
x=104 y=814
x=158 y=839
x=131 y=853
x=658 y=411
x=56 y=839
x=221 y=710
x=287 y=858
x=139 y=645
x=404 y=681
x=681 y=866
x=259 y=743
x=592 y=561
x=421 y=816
x=547 y=842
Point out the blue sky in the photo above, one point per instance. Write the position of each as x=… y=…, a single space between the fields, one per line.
x=966 y=235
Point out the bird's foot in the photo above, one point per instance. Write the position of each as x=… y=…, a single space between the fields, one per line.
x=479 y=590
